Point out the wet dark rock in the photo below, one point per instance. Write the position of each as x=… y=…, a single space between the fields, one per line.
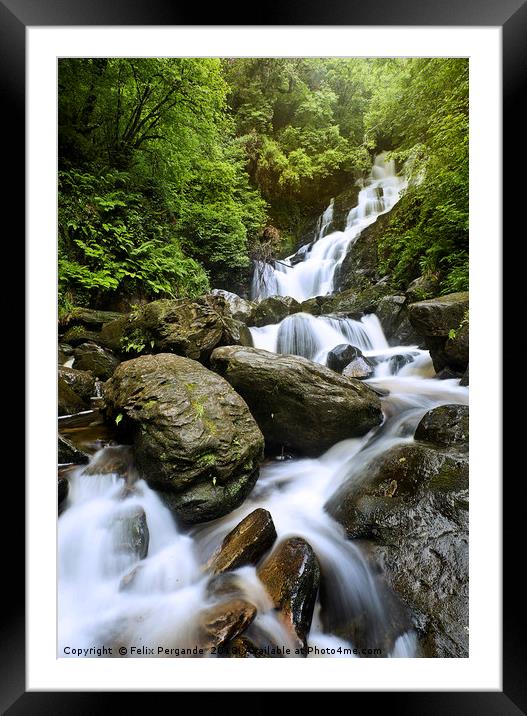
x=68 y=453
x=291 y=576
x=274 y=309
x=112 y=460
x=112 y=334
x=404 y=334
x=224 y=622
x=299 y=404
x=413 y=503
x=437 y=316
x=389 y=312
x=99 y=361
x=64 y=353
x=80 y=381
x=190 y=328
x=246 y=543
x=445 y=425
x=356 y=302
x=448 y=374
x=62 y=491
x=443 y=322
x=464 y=380
x=313 y=306
x=68 y=400
x=87 y=317
x=194 y=438
x=340 y=356
x=131 y=533
x=224 y=585
x=399 y=361
x=79 y=334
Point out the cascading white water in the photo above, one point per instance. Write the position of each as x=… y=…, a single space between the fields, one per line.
x=314 y=274
x=113 y=596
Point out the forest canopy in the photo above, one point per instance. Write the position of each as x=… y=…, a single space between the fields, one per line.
x=173 y=172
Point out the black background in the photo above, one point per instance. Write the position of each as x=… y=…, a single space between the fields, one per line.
x=15 y=15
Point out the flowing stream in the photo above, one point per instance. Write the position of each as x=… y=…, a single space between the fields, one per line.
x=109 y=596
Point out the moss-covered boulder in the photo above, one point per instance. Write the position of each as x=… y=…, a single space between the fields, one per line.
x=190 y=328
x=194 y=438
x=445 y=425
x=297 y=403
x=87 y=317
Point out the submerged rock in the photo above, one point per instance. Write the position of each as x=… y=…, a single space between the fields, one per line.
x=446 y=425
x=194 y=437
x=297 y=403
x=99 y=361
x=246 y=543
x=224 y=622
x=131 y=533
x=291 y=576
x=274 y=309
x=413 y=503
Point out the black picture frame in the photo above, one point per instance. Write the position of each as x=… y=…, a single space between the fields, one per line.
x=15 y=17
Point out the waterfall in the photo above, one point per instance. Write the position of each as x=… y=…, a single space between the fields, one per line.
x=120 y=590
x=314 y=273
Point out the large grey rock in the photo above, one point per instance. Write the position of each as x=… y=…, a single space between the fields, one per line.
x=297 y=403
x=246 y=543
x=291 y=576
x=413 y=504
x=89 y=317
x=340 y=356
x=194 y=437
x=389 y=312
x=130 y=533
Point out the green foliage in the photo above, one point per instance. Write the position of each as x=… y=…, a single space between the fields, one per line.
x=153 y=191
x=429 y=229
x=115 y=240
x=174 y=171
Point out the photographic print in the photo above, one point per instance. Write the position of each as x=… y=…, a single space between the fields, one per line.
x=263 y=357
